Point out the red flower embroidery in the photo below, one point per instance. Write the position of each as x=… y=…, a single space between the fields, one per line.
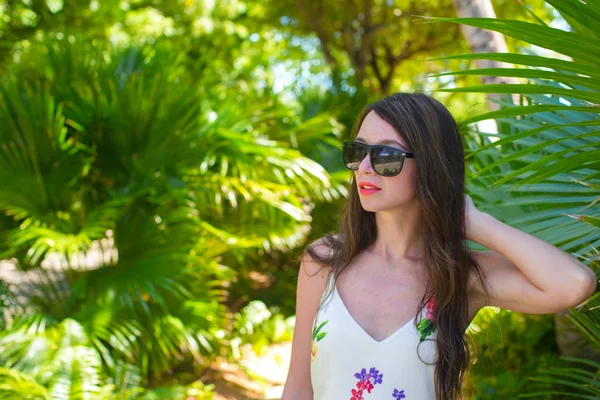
x=368 y=386
x=357 y=395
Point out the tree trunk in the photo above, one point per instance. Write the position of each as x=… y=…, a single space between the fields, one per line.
x=482 y=41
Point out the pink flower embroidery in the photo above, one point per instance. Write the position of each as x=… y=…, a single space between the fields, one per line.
x=430 y=309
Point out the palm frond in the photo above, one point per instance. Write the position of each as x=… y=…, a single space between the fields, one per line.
x=545 y=156
x=18 y=385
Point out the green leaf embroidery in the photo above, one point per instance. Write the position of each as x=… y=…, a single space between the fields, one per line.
x=321 y=335
x=426 y=328
x=317 y=330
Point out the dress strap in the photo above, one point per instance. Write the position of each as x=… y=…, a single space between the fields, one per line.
x=329 y=286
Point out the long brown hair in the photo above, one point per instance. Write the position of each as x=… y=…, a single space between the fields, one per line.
x=431 y=133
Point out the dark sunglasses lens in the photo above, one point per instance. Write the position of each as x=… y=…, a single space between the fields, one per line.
x=387 y=161
x=353 y=154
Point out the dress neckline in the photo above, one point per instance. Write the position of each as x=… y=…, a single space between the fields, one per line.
x=361 y=329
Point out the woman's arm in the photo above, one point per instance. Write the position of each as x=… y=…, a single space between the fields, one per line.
x=312 y=280
x=525 y=273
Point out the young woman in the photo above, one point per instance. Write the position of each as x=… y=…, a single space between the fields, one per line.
x=383 y=305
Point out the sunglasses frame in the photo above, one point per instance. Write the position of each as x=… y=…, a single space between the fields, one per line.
x=369 y=149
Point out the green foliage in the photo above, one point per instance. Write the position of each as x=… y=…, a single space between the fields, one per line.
x=581 y=377
x=509 y=348
x=152 y=129
x=15 y=384
x=196 y=391
x=257 y=325
x=125 y=148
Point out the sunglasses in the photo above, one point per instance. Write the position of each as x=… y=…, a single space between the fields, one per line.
x=385 y=160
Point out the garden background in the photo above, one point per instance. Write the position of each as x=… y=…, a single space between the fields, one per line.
x=164 y=163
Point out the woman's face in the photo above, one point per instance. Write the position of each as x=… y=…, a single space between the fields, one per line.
x=393 y=191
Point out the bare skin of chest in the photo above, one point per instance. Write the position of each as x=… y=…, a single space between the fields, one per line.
x=381 y=298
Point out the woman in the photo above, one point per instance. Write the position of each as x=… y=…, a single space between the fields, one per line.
x=401 y=284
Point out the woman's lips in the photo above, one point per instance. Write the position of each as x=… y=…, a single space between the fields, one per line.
x=367 y=188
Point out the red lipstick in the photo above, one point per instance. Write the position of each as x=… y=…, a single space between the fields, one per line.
x=367 y=188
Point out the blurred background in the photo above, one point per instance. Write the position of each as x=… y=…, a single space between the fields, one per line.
x=163 y=164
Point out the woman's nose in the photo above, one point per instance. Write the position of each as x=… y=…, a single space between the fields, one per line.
x=365 y=165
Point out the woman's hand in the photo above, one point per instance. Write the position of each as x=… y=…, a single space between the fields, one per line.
x=523 y=272
x=472 y=216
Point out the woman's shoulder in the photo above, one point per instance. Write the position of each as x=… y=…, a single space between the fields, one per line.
x=325 y=245
x=318 y=254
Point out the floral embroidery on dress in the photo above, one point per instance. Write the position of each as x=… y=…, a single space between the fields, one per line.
x=398 y=394
x=426 y=326
x=366 y=381
x=317 y=335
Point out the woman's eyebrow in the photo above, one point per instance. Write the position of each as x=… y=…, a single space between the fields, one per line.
x=386 y=141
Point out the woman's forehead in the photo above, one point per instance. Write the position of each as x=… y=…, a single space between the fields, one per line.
x=374 y=130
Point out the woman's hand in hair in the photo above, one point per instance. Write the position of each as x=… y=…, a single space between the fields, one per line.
x=472 y=216
x=525 y=273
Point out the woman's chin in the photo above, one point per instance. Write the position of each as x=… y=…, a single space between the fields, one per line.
x=371 y=207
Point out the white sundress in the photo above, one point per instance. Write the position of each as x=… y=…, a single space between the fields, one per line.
x=347 y=363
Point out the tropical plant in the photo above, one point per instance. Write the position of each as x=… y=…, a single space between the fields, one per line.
x=258 y=326
x=121 y=152
x=546 y=151
x=581 y=378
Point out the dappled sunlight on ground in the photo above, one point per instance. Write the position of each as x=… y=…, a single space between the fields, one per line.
x=257 y=377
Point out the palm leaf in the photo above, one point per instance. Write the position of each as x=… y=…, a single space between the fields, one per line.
x=18 y=385
x=571 y=44
x=548 y=151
